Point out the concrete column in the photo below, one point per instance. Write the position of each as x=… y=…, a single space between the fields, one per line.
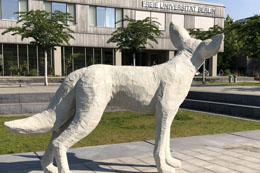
x=213 y=63
x=171 y=54
x=118 y=58
x=57 y=61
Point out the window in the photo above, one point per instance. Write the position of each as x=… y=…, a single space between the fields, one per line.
x=59 y=7
x=158 y=17
x=101 y=16
x=10 y=7
x=105 y=17
x=63 y=7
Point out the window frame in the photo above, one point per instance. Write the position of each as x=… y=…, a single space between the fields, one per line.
x=74 y=9
x=1 y=11
x=105 y=25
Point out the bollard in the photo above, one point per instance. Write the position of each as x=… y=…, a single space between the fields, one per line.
x=235 y=79
x=230 y=78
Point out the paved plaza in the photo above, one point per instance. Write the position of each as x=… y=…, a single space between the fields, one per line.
x=222 y=153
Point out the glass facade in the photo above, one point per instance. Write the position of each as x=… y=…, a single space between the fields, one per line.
x=85 y=56
x=22 y=59
x=105 y=17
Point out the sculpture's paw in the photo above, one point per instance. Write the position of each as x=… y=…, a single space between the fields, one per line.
x=166 y=169
x=50 y=169
x=173 y=162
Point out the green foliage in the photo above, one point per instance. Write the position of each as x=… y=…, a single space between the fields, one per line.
x=249 y=35
x=136 y=35
x=69 y=61
x=47 y=29
x=227 y=72
x=203 y=35
x=33 y=72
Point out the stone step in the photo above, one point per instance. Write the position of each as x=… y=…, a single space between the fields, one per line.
x=251 y=100
x=30 y=108
x=22 y=108
x=25 y=98
x=238 y=110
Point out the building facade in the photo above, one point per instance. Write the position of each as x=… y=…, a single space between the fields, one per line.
x=95 y=20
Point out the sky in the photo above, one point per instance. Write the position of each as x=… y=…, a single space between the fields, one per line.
x=239 y=9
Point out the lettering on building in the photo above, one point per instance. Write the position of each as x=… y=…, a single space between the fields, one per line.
x=178 y=7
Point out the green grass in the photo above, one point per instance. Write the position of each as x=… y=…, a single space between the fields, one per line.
x=126 y=126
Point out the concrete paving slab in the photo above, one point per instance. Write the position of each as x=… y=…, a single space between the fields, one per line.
x=210 y=153
x=19 y=162
x=253 y=135
x=102 y=152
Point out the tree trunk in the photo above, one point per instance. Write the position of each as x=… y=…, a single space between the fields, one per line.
x=134 y=59
x=203 y=73
x=45 y=69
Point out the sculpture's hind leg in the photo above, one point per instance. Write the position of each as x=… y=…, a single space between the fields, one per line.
x=47 y=159
x=91 y=102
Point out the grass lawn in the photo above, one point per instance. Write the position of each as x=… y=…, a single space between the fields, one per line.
x=126 y=126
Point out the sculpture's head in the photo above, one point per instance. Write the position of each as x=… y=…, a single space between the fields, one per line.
x=200 y=50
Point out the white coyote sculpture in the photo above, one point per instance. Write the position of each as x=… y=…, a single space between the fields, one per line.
x=79 y=103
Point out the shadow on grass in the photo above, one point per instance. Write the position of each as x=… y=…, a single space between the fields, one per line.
x=87 y=165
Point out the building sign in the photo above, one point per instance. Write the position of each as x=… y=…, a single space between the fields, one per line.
x=178 y=7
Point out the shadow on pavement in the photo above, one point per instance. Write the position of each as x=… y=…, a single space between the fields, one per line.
x=87 y=165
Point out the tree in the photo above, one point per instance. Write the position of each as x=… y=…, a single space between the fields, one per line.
x=46 y=29
x=249 y=35
x=232 y=47
x=136 y=35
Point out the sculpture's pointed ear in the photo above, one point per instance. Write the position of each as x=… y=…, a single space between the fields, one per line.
x=208 y=48
x=178 y=35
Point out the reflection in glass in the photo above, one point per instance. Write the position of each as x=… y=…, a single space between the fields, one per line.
x=89 y=54
x=97 y=56
x=47 y=6
x=79 y=57
x=59 y=7
x=1 y=61
x=101 y=16
x=110 y=17
x=23 y=6
x=71 y=11
x=23 y=59
x=41 y=61
x=9 y=7
x=10 y=59
x=92 y=16
x=119 y=16
x=107 y=56
x=68 y=60
x=32 y=60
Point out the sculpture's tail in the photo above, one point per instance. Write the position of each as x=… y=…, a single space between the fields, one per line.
x=59 y=111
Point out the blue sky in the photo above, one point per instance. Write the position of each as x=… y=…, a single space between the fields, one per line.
x=239 y=9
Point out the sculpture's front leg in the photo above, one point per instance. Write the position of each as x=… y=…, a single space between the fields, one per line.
x=166 y=110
